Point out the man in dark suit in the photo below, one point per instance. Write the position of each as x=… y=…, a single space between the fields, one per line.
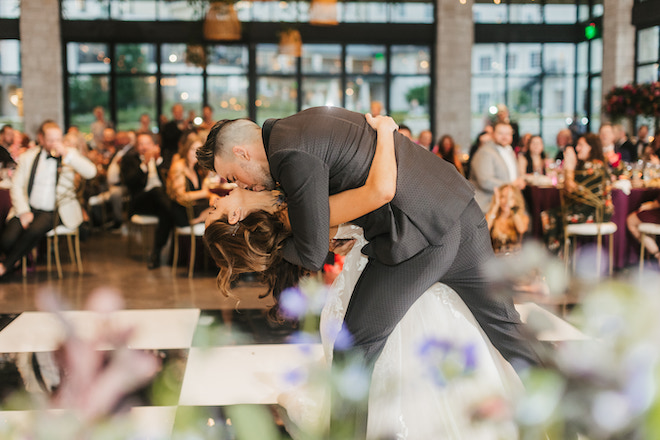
x=433 y=230
x=623 y=145
x=143 y=172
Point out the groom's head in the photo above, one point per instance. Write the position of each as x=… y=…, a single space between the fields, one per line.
x=235 y=150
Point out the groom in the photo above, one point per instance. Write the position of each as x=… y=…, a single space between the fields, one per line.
x=433 y=230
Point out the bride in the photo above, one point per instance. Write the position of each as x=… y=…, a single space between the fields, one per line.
x=412 y=393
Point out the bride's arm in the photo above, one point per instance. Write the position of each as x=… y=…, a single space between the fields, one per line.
x=380 y=186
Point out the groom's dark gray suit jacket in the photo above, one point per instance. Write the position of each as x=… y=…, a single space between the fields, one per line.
x=325 y=150
x=431 y=231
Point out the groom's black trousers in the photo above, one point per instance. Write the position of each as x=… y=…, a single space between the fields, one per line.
x=384 y=293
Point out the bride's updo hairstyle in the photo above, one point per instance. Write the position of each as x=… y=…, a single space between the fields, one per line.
x=253 y=245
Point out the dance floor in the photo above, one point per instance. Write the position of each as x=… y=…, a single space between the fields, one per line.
x=215 y=354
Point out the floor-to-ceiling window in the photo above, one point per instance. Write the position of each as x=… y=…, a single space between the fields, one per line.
x=11 y=93
x=535 y=58
x=155 y=67
x=648 y=66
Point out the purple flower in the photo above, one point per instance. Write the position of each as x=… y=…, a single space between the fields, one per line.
x=293 y=303
x=295 y=376
x=344 y=339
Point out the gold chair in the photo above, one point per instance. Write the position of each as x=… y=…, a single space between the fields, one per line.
x=73 y=242
x=591 y=191
x=646 y=229
x=142 y=224
x=193 y=231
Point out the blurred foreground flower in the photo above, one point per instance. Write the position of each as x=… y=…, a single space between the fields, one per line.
x=95 y=380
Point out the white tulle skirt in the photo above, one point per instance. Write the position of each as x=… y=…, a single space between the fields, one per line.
x=410 y=397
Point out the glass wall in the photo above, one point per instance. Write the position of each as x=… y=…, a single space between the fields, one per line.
x=648 y=65
x=259 y=11
x=11 y=93
x=131 y=79
x=546 y=86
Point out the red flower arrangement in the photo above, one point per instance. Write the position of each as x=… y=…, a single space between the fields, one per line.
x=633 y=100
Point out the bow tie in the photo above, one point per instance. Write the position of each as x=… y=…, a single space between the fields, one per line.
x=50 y=156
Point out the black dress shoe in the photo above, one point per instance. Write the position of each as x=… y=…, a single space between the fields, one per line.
x=154 y=262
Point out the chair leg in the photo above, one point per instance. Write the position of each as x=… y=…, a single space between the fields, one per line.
x=175 y=257
x=599 y=250
x=574 y=246
x=641 y=252
x=69 y=243
x=567 y=253
x=78 y=254
x=24 y=266
x=49 y=245
x=58 y=263
x=611 y=244
x=193 y=251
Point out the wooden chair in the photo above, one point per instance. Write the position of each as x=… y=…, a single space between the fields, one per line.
x=646 y=229
x=193 y=231
x=591 y=191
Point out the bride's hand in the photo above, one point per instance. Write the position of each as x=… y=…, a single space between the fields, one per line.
x=381 y=122
x=341 y=246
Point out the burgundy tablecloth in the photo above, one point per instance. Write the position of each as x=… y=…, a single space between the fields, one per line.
x=626 y=248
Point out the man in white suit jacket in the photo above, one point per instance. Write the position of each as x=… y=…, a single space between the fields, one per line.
x=494 y=164
x=43 y=184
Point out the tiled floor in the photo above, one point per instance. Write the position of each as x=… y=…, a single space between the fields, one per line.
x=216 y=353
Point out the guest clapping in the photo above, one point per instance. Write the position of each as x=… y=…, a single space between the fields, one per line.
x=532 y=162
x=187 y=186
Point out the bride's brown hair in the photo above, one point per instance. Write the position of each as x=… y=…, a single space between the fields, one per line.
x=253 y=245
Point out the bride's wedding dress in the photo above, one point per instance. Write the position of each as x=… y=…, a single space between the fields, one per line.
x=408 y=399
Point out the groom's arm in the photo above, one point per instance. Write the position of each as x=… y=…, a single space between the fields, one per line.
x=304 y=178
x=305 y=181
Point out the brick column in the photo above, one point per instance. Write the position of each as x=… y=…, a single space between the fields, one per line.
x=453 y=66
x=618 y=44
x=41 y=63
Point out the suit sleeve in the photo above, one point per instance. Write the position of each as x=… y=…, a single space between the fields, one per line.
x=18 y=191
x=80 y=164
x=304 y=179
x=132 y=175
x=484 y=170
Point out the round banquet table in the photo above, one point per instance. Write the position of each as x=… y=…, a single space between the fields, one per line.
x=626 y=248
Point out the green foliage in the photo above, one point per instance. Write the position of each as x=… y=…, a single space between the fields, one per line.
x=419 y=94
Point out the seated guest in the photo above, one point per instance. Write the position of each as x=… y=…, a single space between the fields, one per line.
x=405 y=130
x=143 y=173
x=187 y=186
x=648 y=212
x=448 y=150
x=507 y=219
x=623 y=145
x=564 y=139
x=114 y=194
x=43 y=185
x=533 y=160
x=425 y=139
x=494 y=164
x=586 y=179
